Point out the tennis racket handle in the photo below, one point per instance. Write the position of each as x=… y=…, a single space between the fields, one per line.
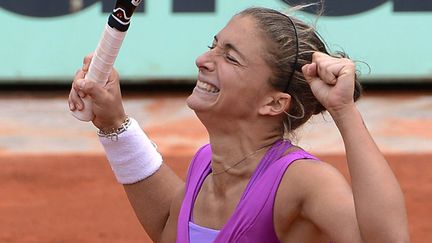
x=101 y=66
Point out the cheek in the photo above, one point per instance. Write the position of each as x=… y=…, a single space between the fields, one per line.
x=228 y=77
x=238 y=82
x=235 y=75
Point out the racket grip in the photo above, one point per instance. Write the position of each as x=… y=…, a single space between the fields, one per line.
x=101 y=66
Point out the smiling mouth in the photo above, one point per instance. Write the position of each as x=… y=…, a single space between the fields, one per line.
x=207 y=87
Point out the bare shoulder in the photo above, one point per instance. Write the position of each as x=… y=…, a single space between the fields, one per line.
x=306 y=179
x=312 y=171
x=317 y=193
x=298 y=180
x=307 y=175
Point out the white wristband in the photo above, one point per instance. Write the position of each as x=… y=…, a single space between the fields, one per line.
x=133 y=156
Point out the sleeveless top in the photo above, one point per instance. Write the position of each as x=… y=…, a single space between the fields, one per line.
x=252 y=220
x=200 y=234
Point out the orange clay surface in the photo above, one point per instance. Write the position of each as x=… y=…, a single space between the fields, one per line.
x=74 y=198
x=56 y=185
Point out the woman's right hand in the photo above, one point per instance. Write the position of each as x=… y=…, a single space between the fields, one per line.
x=107 y=101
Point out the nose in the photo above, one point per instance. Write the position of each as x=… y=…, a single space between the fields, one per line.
x=205 y=61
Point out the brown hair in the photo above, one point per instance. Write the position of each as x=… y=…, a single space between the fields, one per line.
x=281 y=33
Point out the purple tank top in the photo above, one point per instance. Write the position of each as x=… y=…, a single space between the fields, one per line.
x=252 y=220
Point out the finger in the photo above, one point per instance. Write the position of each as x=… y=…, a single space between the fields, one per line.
x=75 y=102
x=319 y=56
x=349 y=67
x=95 y=90
x=77 y=86
x=72 y=106
x=333 y=72
x=330 y=68
x=323 y=62
x=343 y=69
x=87 y=61
x=113 y=77
x=310 y=73
x=325 y=72
x=79 y=74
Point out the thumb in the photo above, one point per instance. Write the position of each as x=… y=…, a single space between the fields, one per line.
x=318 y=87
x=310 y=72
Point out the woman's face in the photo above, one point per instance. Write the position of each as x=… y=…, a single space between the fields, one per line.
x=233 y=76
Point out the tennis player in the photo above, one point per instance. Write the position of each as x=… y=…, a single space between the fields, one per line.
x=264 y=75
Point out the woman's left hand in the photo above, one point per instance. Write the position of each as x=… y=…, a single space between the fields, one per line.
x=332 y=81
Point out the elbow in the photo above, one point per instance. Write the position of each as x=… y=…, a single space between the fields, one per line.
x=399 y=237
x=404 y=239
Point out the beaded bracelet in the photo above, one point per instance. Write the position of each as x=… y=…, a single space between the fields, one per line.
x=115 y=132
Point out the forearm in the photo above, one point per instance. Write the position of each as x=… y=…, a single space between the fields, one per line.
x=379 y=201
x=151 y=199
x=136 y=163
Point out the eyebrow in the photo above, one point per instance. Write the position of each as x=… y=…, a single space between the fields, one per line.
x=231 y=47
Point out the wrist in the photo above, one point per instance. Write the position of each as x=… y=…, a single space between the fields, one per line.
x=343 y=114
x=113 y=133
x=348 y=119
x=111 y=124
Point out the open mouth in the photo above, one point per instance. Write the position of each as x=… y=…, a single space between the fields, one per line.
x=207 y=87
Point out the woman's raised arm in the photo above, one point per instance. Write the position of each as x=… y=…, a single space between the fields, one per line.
x=378 y=199
x=150 y=185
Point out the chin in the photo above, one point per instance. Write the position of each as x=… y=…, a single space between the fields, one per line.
x=194 y=103
x=199 y=101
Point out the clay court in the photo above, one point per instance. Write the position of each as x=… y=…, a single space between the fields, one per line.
x=56 y=185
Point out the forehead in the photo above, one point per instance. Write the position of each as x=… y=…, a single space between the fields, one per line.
x=244 y=34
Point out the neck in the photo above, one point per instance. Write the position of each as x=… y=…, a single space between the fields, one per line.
x=245 y=158
x=237 y=149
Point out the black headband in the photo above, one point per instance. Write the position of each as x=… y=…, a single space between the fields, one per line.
x=295 y=64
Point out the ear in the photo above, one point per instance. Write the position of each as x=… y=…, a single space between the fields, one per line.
x=276 y=104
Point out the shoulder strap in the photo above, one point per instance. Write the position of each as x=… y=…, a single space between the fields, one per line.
x=196 y=171
x=198 y=162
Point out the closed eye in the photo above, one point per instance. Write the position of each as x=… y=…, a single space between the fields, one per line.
x=227 y=56
x=225 y=53
x=231 y=59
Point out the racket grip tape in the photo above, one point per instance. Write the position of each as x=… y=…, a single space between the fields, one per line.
x=107 y=51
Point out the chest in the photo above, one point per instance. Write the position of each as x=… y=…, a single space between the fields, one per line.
x=250 y=209
x=212 y=210
x=213 y=213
